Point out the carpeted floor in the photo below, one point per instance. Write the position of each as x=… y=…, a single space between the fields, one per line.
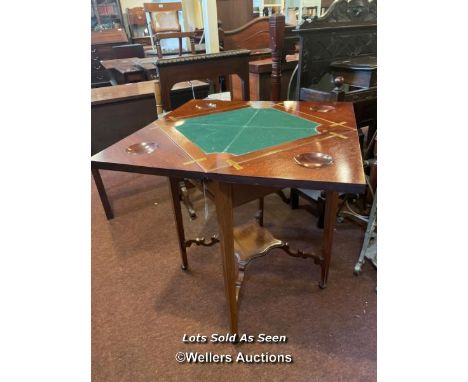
x=143 y=304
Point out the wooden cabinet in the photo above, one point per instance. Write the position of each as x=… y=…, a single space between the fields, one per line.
x=101 y=49
x=106 y=14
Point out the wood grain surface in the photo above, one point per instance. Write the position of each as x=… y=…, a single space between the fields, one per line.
x=272 y=166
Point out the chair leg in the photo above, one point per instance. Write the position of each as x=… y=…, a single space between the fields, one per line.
x=192 y=45
x=294 y=198
x=158 y=48
x=186 y=200
x=321 y=212
x=283 y=197
x=331 y=204
x=175 y=189
x=259 y=214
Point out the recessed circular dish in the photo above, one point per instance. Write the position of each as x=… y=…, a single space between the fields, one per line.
x=142 y=148
x=206 y=106
x=322 y=108
x=313 y=159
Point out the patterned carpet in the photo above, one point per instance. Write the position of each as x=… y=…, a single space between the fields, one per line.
x=143 y=304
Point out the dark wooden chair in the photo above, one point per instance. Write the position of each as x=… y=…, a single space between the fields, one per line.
x=332 y=47
x=163 y=23
x=128 y=51
x=136 y=21
x=347 y=31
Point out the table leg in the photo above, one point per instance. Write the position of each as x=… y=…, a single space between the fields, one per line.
x=102 y=193
x=175 y=193
x=224 y=211
x=260 y=211
x=331 y=205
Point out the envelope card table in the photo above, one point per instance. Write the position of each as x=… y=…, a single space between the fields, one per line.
x=241 y=151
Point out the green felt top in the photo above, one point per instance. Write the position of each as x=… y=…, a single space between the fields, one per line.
x=245 y=130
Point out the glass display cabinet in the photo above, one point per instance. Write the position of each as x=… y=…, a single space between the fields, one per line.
x=106 y=14
x=106 y=31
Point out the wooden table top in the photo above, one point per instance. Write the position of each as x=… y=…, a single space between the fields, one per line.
x=125 y=65
x=134 y=90
x=121 y=92
x=134 y=64
x=177 y=155
x=109 y=36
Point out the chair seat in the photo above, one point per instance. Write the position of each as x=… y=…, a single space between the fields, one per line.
x=172 y=34
x=168 y=29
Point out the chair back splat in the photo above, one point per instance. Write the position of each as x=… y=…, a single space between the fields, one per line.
x=163 y=23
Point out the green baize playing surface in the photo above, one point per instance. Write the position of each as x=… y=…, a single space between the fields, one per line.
x=245 y=130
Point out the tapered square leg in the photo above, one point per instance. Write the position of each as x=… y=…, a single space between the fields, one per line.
x=175 y=194
x=186 y=200
x=260 y=211
x=102 y=193
x=224 y=212
x=331 y=205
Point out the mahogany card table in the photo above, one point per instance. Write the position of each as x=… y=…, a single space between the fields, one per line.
x=241 y=151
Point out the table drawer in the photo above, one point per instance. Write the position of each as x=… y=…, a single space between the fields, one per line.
x=104 y=52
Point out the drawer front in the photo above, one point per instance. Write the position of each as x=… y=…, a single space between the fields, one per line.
x=103 y=52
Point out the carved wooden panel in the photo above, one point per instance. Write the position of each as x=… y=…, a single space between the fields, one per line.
x=345 y=30
x=341 y=11
x=322 y=48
